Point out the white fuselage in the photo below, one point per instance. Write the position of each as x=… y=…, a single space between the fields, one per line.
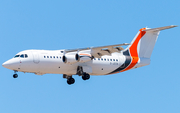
x=44 y=61
x=84 y=62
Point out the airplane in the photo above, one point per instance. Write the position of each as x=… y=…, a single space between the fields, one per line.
x=103 y=60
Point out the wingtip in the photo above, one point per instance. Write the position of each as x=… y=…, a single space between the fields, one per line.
x=126 y=43
x=174 y=25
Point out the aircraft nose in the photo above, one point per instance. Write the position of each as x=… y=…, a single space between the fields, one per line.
x=7 y=64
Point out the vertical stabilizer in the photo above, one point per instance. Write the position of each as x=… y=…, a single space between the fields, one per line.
x=144 y=42
x=142 y=45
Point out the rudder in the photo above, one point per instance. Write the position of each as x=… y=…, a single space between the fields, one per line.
x=147 y=43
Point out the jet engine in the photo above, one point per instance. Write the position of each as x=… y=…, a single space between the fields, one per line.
x=84 y=57
x=70 y=59
x=74 y=58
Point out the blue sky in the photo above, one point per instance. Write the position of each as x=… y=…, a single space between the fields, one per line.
x=54 y=25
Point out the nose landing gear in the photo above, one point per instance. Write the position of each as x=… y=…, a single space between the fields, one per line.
x=15 y=75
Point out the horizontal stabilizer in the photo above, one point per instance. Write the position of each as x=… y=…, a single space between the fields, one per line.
x=159 y=28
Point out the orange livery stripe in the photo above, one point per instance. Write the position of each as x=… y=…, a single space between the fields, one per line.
x=85 y=54
x=133 y=50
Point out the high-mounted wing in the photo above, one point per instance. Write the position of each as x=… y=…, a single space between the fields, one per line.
x=100 y=51
x=106 y=50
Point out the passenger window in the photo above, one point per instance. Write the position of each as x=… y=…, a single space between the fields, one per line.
x=113 y=59
x=104 y=59
x=94 y=58
x=107 y=59
x=50 y=56
x=57 y=56
x=16 y=56
x=110 y=59
x=60 y=57
x=98 y=58
x=44 y=56
x=54 y=56
x=22 y=56
x=26 y=55
x=47 y=56
x=116 y=59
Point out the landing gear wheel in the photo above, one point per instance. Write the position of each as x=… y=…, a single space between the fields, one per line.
x=15 y=75
x=70 y=80
x=85 y=76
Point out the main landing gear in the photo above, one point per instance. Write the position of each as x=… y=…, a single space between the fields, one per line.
x=15 y=75
x=71 y=80
x=85 y=76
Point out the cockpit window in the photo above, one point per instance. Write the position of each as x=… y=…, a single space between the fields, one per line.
x=26 y=55
x=16 y=56
x=22 y=56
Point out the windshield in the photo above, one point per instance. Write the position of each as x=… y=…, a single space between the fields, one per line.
x=16 y=56
x=22 y=56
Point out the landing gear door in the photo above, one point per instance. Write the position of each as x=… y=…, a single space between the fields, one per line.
x=36 y=57
x=87 y=69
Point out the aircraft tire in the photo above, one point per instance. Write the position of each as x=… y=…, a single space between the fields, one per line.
x=85 y=76
x=15 y=75
x=70 y=80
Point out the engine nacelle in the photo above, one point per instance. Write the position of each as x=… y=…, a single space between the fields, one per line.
x=74 y=58
x=70 y=59
x=84 y=57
